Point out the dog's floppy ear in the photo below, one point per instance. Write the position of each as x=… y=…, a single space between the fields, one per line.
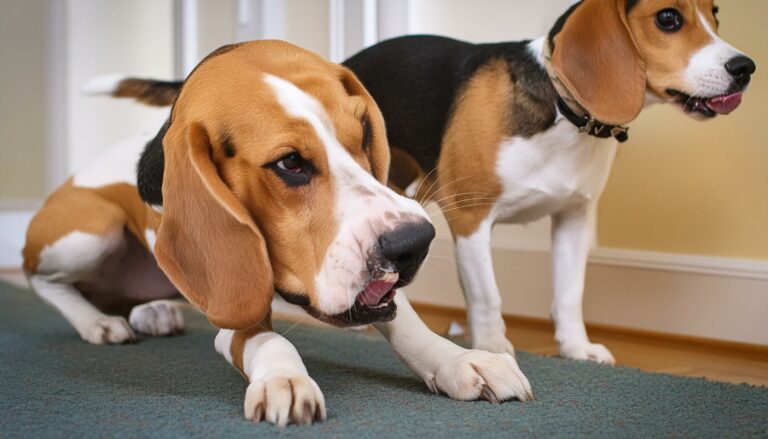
x=595 y=57
x=207 y=243
x=380 y=159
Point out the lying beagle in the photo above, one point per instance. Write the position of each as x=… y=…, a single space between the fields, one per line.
x=268 y=176
x=513 y=132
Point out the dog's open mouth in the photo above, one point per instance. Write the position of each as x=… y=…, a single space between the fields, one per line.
x=379 y=293
x=375 y=303
x=707 y=107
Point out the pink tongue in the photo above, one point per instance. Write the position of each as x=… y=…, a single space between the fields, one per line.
x=724 y=104
x=375 y=290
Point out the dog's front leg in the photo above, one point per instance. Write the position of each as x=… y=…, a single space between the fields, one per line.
x=572 y=233
x=447 y=368
x=280 y=390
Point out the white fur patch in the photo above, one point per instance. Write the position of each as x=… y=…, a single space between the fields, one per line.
x=706 y=75
x=150 y=236
x=116 y=165
x=360 y=205
x=75 y=253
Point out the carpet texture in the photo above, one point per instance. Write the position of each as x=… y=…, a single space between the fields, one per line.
x=52 y=384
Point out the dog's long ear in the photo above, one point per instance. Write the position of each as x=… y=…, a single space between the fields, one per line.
x=208 y=243
x=595 y=57
x=379 y=146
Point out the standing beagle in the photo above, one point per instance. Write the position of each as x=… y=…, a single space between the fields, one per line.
x=268 y=176
x=513 y=132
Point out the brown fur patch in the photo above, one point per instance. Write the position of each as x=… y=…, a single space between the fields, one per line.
x=295 y=222
x=595 y=58
x=150 y=92
x=466 y=182
x=666 y=55
x=404 y=170
x=100 y=211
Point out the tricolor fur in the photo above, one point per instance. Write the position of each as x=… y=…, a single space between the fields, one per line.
x=268 y=176
x=482 y=123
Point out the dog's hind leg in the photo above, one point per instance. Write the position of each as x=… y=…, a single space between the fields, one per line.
x=93 y=326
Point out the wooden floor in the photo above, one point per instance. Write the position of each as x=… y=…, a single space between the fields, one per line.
x=649 y=352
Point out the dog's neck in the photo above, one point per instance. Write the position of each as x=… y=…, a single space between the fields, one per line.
x=573 y=111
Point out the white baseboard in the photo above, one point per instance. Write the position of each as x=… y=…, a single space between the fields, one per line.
x=715 y=266
x=715 y=298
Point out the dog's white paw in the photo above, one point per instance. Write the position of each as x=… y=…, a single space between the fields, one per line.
x=157 y=318
x=587 y=351
x=282 y=399
x=498 y=344
x=477 y=374
x=107 y=330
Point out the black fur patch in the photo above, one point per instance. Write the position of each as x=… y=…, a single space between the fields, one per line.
x=416 y=80
x=151 y=167
x=152 y=162
x=294 y=298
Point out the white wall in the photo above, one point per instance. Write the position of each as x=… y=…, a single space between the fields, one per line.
x=98 y=37
x=484 y=20
x=109 y=36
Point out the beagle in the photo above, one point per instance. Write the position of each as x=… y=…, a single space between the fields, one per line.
x=513 y=132
x=269 y=175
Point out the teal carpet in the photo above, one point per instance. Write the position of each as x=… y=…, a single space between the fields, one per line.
x=52 y=384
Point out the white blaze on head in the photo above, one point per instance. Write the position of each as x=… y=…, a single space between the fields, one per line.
x=706 y=74
x=364 y=207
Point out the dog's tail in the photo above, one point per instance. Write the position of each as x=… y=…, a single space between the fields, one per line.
x=147 y=91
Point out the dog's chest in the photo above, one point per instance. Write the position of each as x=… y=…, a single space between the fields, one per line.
x=549 y=172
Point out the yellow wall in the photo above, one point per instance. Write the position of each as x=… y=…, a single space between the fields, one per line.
x=698 y=187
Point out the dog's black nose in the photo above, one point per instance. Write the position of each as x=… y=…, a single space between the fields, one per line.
x=407 y=246
x=741 y=68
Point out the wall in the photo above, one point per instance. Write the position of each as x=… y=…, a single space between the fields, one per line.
x=22 y=100
x=306 y=24
x=113 y=36
x=683 y=186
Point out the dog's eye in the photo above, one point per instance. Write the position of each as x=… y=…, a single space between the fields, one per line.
x=669 y=20
x=292 y=169
x=290 y=163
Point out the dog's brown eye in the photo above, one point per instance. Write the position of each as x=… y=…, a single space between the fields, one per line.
x=669 y=20
x=290 y=163
x=293 y=169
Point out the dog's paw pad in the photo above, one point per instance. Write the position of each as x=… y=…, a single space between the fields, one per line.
x=157 y=318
